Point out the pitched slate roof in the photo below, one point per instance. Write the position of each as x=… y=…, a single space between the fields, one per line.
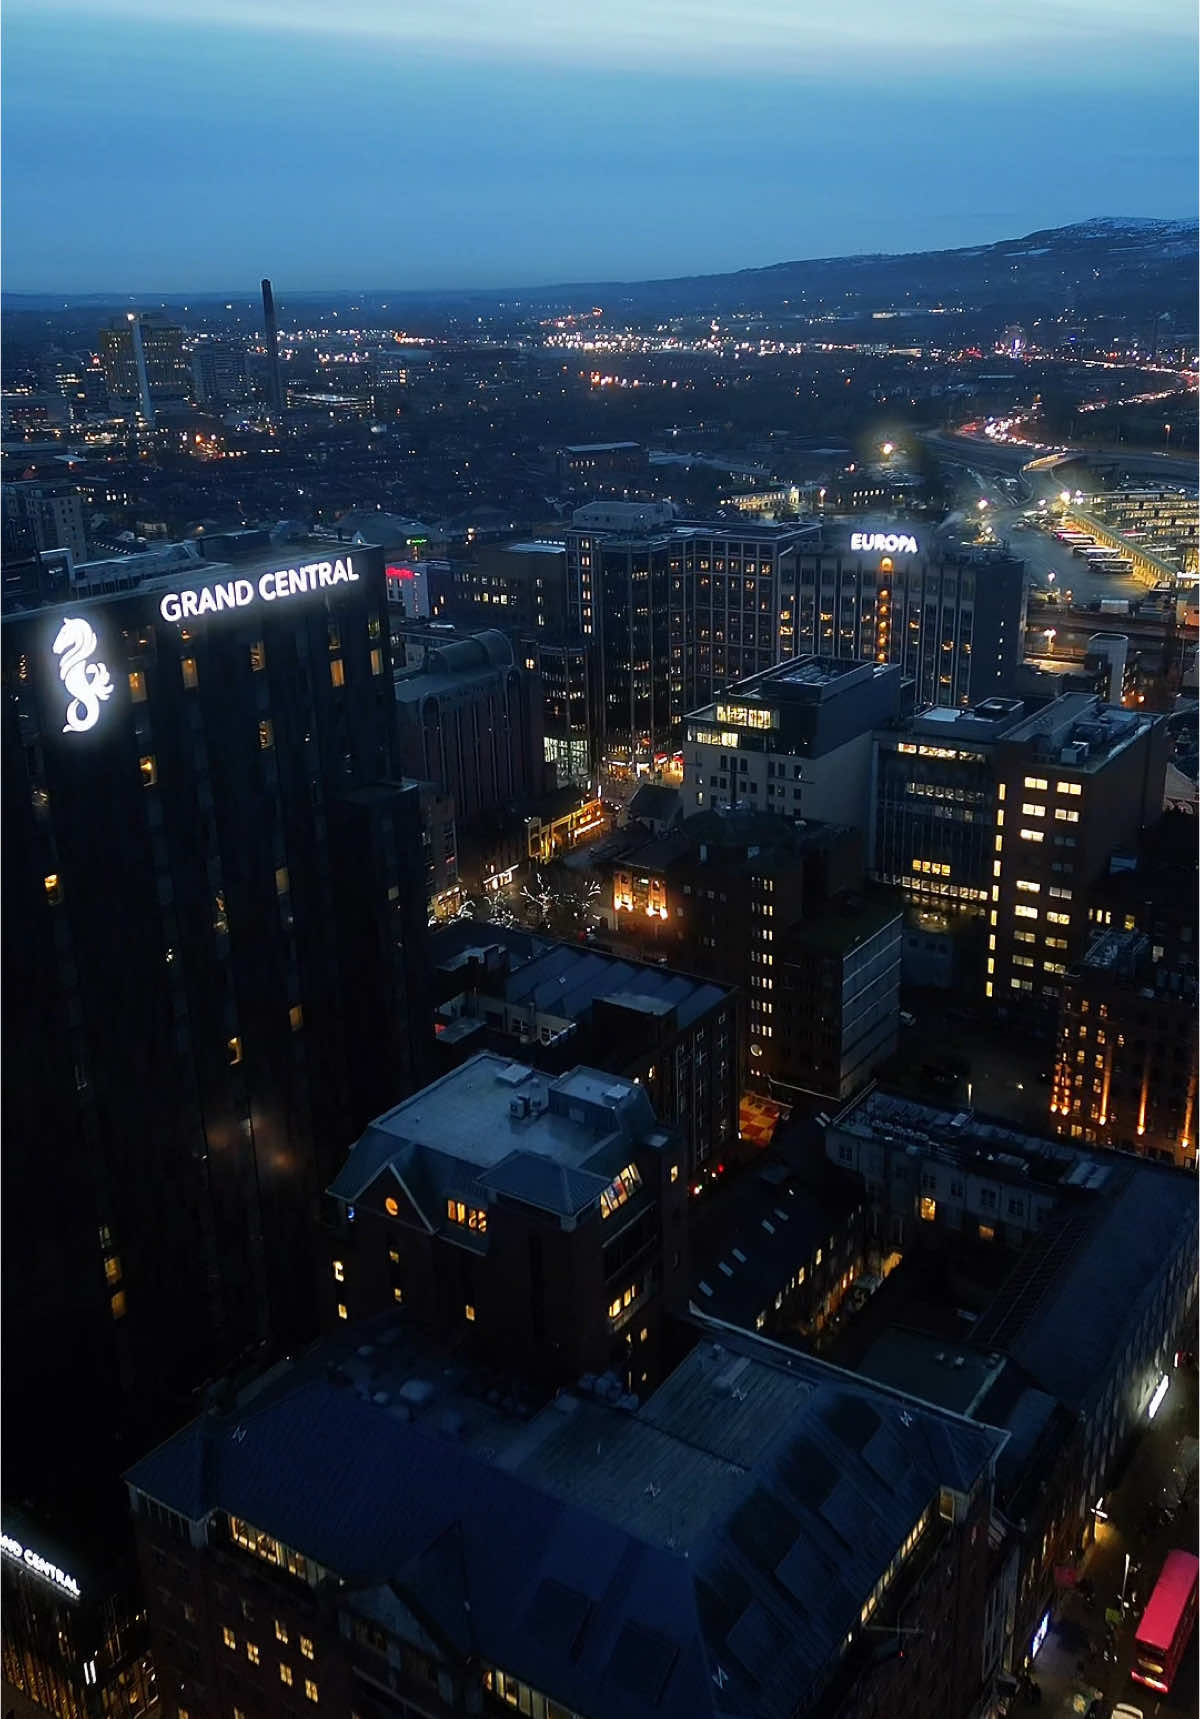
x=705 y=1556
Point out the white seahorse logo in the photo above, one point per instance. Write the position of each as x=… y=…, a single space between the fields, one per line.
x=87 y=682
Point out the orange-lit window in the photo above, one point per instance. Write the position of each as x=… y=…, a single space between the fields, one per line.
x=285 y=1675
x=337 y=672
x=343 y=1311
x=392 y=1207
x=53 y=888
x=137 y=686
x=149 y=769
x=112 y=1270
x=234 y=1047
x=296 y=1017
x=470 y=1312
x=339 y=1271
x=187 y=668
x=376 y=662
x=117 y=1304
x=928 y=1208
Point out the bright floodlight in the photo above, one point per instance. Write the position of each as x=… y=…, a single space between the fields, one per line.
x=888 y=448
x=1065 y=497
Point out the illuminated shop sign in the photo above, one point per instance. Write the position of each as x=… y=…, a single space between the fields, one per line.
x=889 y=542
x=40 y=1566
x=281 y=583
x=86 y=683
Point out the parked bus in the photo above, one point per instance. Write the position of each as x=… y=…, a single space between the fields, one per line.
x=1167 y=1623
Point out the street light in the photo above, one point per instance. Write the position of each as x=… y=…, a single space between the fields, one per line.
x=982 y=504
x=889 y=448
x=1051 y=635
x=1064 y=496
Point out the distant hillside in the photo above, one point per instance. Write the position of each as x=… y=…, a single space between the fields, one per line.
x=1102 y=264
x=1118 y=265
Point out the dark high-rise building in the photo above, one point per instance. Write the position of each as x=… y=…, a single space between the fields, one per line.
x=274 y=385
x=144 y=361
x=951 y=616
x=469 y=717
x=678 y=611
x=219 y=373
x=1125 y=1070
x=215 y=913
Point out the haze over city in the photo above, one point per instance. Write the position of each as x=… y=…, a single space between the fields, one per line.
x=187 y=147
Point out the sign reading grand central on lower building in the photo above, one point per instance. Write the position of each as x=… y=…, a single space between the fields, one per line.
x=279 y=583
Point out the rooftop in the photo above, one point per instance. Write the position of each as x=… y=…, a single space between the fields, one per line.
x=567 y=979
x=1081 y=725
x=495 y=1124
x=1086 y=1277
x=705 y=1555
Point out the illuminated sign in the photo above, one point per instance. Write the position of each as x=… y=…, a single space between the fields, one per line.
x=283 y=582
x=889 y=542
x=88 y=683
x=400 y=573
x=40 y=1566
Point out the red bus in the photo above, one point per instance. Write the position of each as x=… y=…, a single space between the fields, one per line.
x=1167 y=1623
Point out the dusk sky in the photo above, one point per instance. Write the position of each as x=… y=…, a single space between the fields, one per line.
x=166 y=145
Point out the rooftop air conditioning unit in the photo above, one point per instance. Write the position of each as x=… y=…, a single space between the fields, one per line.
x=518 y=1106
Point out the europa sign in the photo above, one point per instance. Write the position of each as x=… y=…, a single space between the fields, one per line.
x=40 y=1566
x=888 y=542
x=271 y=587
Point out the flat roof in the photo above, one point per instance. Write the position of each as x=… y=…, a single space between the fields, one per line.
x=459 y=1135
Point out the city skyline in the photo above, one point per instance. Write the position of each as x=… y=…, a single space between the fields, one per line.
x=428 y=150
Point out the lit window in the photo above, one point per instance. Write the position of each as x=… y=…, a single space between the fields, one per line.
x=252 y=1653
x=112 y=1270
x=394 y=1255
x=339 y=1271
x=266 y=734
x=1058 y=918
x=149 y=769
x=1031 y=810
x=285 y=1675
x=342 y=1310
x=234 y=1048
x=674 y=1172
x=1066 y=815
x=470 y=1313
x=1033 y=835
x=117 y=1304
x=52 y=888
x=282 y=881
x=311 y=1690
x=471 y=1217
x=296 y=1017
x=398 y=1296
x=228 y=1637
x=187 y=668
x=392 y=1207
x=376 y=661
x=1029 y=886
x=137 y=686
x=1075 y=788
x=620 y=1189
x=986 y=1232
x=1038 y=782
x=281 y=1633
x=928 y=1208
x=337 y=672
x=306 y=1647
x=258 y=656
x=1023 y=912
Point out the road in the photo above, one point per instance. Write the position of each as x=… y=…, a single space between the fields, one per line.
x=1066 y=1661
